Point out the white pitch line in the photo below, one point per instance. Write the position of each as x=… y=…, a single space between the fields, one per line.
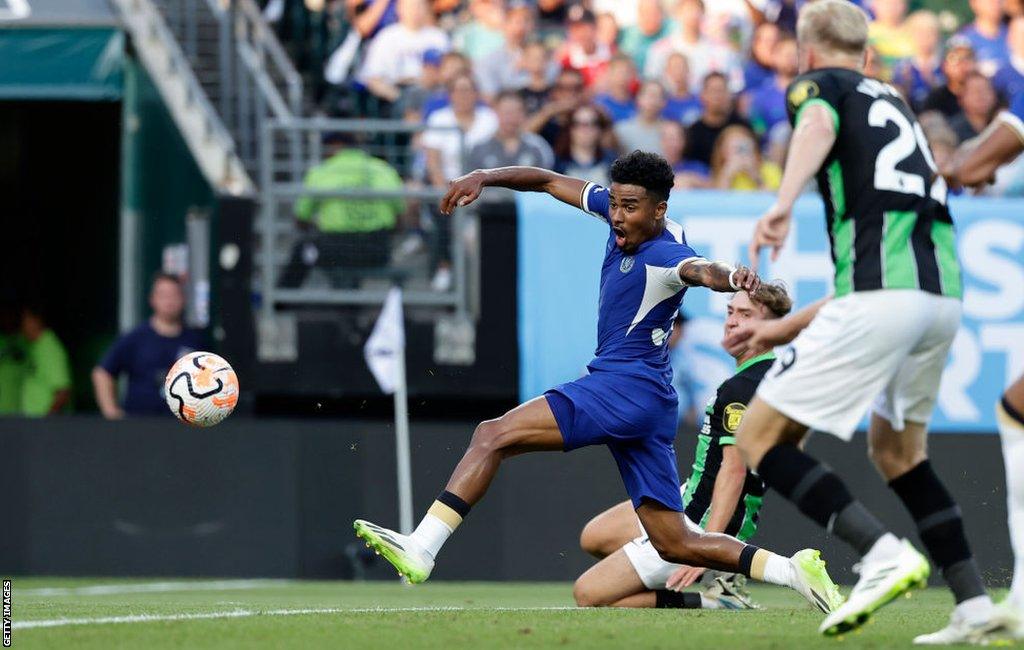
x=152 y=587
x=247 y=613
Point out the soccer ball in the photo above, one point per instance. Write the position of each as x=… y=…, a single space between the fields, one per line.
x=201 y=389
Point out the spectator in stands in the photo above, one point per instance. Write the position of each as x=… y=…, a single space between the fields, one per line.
x=46 y=384
x=394 y=58
x=1009 y=79
x=538 y=70
x=553 y=117
x=608 y=31
x=506 y=68
x=453 y=64
x=511 y=145
x=782 y=13
x=455 y=130
x=718 y=114
x=758 y=67
x=428 y=91
x=582 y=51
x=689 y=40
x=344 y=234
x=643 y=130
x=978 y=105
x=145 y=354
x=888 y=34
x=483 y=33
x=922 y=71
x=957 y=65
x=681 y=105
x=580 y=151
x=651 y=26
x=620 y=84
x=368 y=17
x=736 y=163
x=689 y=174
x=12 y=357
x=987 y=35
x=768 y=103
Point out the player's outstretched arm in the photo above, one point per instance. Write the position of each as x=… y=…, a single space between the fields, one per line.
x=812 y=141
x=976 y=161
x=719 y=276
x=465 y=189
x=767 y=334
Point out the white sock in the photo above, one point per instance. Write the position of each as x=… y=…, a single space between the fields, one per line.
x=779 y=570
x=431 y=534
x=887 y=547
x=709 y=603
x=1011 y=433
x=976 y=610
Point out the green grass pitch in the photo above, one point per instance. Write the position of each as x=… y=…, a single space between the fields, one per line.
x=155 y=614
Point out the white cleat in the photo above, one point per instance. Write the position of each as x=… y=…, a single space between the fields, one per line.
x=1010 y=622
x=960 y=631
x=880 y=583
x=411 y=561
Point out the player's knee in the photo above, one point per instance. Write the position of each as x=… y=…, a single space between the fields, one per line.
x=674 y=551
x=593 y=541
x=492 y=435
x=894 y=460
x=585 y=595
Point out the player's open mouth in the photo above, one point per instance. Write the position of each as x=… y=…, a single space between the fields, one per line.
x=620 y=236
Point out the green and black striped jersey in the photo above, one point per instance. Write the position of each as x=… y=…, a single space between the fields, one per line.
x=884 y=202
x=722 y=418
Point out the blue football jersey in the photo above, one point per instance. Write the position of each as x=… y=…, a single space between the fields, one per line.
x=640 y=296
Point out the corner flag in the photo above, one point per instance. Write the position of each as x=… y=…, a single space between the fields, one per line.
x=385 y=356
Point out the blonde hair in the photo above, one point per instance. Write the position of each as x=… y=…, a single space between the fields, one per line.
x=922 y=18
x=835 y=25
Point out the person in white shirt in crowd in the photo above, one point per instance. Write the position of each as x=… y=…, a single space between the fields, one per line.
x=460 y=126
x=703 y=55
x=451 y=134
x=395 y=57
x=643 y=130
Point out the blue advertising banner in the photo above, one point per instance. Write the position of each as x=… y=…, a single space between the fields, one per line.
x=561 y=248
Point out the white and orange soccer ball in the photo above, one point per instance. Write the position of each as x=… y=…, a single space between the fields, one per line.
x=201 y=389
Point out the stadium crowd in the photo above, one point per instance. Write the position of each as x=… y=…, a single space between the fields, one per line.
x=569 y=84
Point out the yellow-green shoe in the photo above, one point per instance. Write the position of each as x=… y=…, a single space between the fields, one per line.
x=411 y=561
x=880 y=583
x=814 y=582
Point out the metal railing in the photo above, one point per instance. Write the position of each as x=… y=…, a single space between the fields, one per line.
x=277 y=224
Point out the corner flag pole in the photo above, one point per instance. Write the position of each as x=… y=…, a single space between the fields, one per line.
x=402 y=451
x=385 y=357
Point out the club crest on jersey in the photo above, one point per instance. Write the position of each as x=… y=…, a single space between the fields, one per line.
x=658 y=336
x=732 y=416
x=801 y=92
x=626 y=265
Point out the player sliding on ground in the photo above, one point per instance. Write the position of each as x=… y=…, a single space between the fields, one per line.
x=882 y=342
x=975 y=165
x=627 y=401
x=722 y=495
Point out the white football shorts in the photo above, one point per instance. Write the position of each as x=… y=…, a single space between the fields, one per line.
x=884 y=350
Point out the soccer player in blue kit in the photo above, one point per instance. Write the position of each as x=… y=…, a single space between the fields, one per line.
x=627 y=401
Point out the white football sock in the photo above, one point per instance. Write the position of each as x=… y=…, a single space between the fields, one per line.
x=431 y=534
x=887 y=547
x=709 y=603
x=779 y=570
x=1011 y=433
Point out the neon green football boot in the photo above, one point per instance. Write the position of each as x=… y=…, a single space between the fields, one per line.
x=412 y=562
x=814 y=582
